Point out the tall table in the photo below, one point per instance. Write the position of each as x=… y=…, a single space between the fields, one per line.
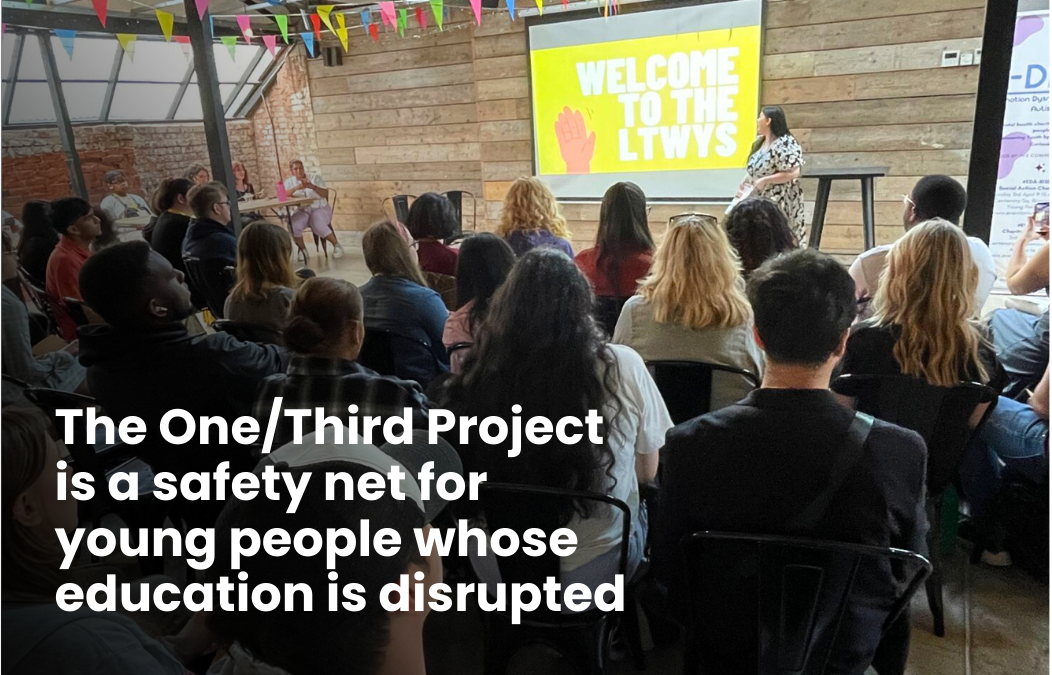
x=825 y=177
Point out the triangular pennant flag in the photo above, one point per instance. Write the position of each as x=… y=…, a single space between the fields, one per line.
x=66 y=37
x=202 y=7
x=374 y=32
x=366 y=18
x=566 y=3
x=476 y=7
x=184 y=42
x=308 y=42
x=324 y=11
x=387 y=14
x=420 y=19
x=436 y=10
x=315 y=21
x=211 y=25
x=283 y=24
x=511 y=8
x=166 y=20
x=271 y=41
x=231 y=44
x=341 y=30
x=540 y=7
x=100 y=9
x=127 y=41
x=244 y=22
x=401 y=21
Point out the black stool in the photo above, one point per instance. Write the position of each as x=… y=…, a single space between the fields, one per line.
x=825 y=177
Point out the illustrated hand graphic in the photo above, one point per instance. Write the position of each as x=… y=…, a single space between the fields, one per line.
x=576 y=145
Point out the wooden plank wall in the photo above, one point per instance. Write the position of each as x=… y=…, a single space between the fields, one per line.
x=860 y=83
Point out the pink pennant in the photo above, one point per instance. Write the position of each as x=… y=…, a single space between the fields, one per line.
x=374 y=32
x=387 y=13
x=476 y=7
x=244 y=22
x=202 y=7
x=420 y=18
x=271 y=41
x=100 y=9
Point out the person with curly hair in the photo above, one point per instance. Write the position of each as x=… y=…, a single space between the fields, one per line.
x=531 y=218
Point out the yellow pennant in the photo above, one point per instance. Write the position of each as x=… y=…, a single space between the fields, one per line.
x=324 y=11
x=167 y=20
x=127 y=41
x=341 y=30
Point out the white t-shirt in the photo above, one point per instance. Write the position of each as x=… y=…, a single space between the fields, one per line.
x=118 y=207
x=314 y=178
x=867 y=267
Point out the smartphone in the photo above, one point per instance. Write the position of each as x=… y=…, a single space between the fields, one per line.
x=1041 y=217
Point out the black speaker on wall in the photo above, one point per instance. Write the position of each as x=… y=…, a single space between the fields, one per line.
x=333 y=56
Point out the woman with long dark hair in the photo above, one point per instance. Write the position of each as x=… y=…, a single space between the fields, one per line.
x=173 y=219
x=758 y=230
x=540 y=348
x=774 y=167
x=39 y=239
x=484 y=262
x=623 y=248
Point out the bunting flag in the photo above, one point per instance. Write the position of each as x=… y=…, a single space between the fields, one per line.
x=100 y=9
x=271 y=41
x=127 y=41
x=387 y=14
x=420 y=19
x=184 y=42
x=366 y=19
x=325 y=11
x=540 y=7
x=244 y=22
x=308 y=42
x=476 y=7
x=166 y=21
x=341 y=30
x=436 y=11
x=283 y=24
x=202 y=7
x=511 y=8
x=402 y=19
x=231 y=44
x=374 y=32
x=315 y=21
x=566 y=3
x=66 y=37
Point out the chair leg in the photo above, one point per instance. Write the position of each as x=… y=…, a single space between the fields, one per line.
x=632 y=631
x=933 y=585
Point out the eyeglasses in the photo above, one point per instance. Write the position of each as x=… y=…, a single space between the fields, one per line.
x=226 y=203
x=703 y=217
x=908 y=202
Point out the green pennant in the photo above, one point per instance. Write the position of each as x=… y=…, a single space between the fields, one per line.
x=283 y=24
x=436 y=9
x=231 y=44
x=402 y=19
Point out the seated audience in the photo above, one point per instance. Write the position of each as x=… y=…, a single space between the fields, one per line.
x=241 y=185
x=167 y=235
x=55 y=370
x=431 y=219
x=760 y=465
x=266 y=282
x=932 y=197
x=1021 y=339
x=531 y=218
x=921 y=324
x=39 y=239
x=211 y=240
x=623 y=247
x=484 y=262
x=198 y=173
x=397 y=300
x=541 y=349
x=108 y=235
x=325 y=333
x=758 y=230
x=318 y=214
x=38 y=636
x=120 y=203
x=79 y=227
x=144 y=362
x=692 y=307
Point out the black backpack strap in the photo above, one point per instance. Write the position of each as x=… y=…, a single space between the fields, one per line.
x=846 y=460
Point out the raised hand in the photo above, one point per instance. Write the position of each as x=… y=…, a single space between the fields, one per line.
x=576 y=145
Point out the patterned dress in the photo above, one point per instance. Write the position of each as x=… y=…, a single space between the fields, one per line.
x=783 y=154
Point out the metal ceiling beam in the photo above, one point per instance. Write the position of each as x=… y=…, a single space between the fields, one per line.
x=182 y=91
x=87 y=22
x=9 y=91
x=65 y=127
x=115 y=72
x=244 y=78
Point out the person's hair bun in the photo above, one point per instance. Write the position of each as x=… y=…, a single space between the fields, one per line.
x=303 y=335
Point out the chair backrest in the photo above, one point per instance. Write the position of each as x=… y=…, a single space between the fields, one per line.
x=446 y=287
x=210 y=281
x=75 y=308
x=686 y=386
x=248 y=332
x=608 y=311
x=456 y=197
x=401 y=206
x=38 y=296
x=940 y=415
x=799 y=606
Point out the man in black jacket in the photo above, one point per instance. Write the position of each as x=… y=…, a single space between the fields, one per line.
x=144 y=362
x=758 y=466
x=210 y=240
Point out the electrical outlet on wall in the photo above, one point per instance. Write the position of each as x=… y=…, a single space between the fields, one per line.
x=966 y=58
x=951 y=57
x=978 y=56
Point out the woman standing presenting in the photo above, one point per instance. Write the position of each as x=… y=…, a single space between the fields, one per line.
x=774 y=167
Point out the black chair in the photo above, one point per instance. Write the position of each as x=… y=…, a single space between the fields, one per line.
x=249 y=332
x=456 y=197
x=686 y=386
x=941 y=415
x=210 y=281
x=401 y=206
x=581 y=638
x=38 y=296
x=608 y=311
x=75 y=309
x=385 y=352
x=788 y=601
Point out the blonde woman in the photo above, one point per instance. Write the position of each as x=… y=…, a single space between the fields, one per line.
x=531 y=218
x=266 y=282
x=692 y=307
x=922 y=311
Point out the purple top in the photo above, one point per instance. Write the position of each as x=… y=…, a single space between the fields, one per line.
x=525 y=240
